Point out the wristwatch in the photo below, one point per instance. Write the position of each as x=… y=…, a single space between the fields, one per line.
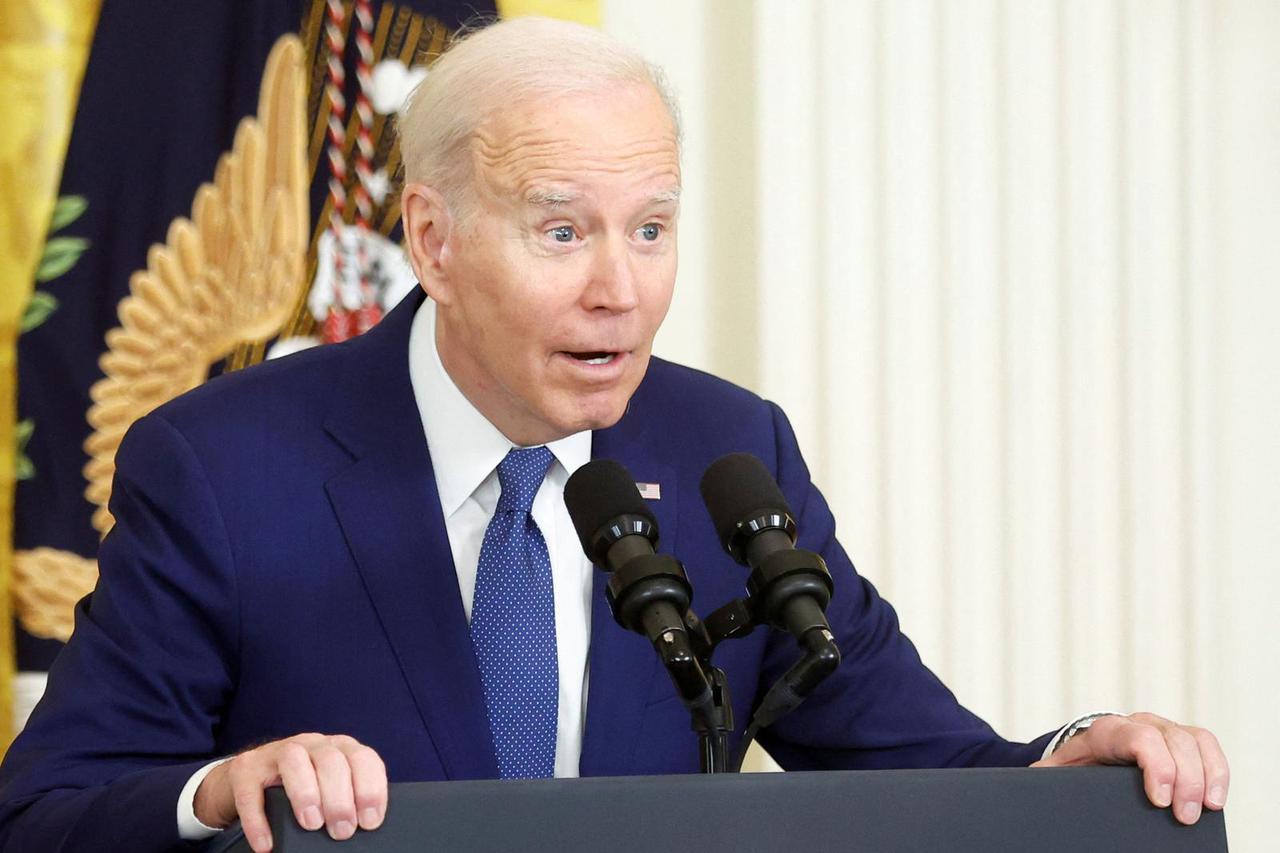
x=1080 y=725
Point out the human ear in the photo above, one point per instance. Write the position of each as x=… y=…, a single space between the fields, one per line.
x=427 y=226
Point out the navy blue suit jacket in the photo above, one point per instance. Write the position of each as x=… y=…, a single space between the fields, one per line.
x=279 y=564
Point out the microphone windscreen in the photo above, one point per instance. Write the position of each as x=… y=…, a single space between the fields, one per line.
x=735 y=489
x=599 y=492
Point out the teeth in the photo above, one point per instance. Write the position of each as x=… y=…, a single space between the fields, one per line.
x=604 y=359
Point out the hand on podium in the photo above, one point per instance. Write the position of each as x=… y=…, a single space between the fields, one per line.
x=1182 y=766
x=332 y=781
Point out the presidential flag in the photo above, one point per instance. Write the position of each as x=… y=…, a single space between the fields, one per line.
x=226 y=189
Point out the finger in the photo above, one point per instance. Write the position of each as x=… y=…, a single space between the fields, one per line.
x=369 y=785
x=1189 y=787
x=337 y=802
x=247 y=778
x=1217 y=774
x=298 y=775
x=1144 y=745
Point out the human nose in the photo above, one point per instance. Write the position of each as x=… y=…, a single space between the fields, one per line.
x=612 y=282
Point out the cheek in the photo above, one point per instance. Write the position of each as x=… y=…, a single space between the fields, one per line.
x=510 y=315
x=660 y=291
x=523 y=334
x=663 y=302
x=542 y=309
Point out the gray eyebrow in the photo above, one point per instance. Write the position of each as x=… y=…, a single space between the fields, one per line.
x=549 y=198
x=556 y=198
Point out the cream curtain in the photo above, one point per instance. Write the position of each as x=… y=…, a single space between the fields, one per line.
x=1012 y=268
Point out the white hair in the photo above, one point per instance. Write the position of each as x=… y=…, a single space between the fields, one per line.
x=513 y=61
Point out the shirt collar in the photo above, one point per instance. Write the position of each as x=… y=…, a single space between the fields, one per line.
x=465 y=447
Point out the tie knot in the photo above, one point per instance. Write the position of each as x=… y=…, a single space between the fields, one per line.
x=520 y=474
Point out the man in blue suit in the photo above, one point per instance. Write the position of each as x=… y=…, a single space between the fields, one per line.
x=302 y=550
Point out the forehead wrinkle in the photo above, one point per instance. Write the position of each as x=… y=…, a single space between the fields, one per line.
x=497 y=139
x=535 y=152
x=551 y=155
x=494 y=147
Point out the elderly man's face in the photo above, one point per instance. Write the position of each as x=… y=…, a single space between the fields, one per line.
x=553 y=287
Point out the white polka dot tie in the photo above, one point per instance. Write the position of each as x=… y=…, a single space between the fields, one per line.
x=513 y=624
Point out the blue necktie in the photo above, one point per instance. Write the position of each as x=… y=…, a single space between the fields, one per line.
x=513 y=624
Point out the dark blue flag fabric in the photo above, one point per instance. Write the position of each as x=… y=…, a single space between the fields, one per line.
x=165 y=90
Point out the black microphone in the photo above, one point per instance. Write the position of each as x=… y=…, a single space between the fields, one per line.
x=789 y=587
x=648 y=592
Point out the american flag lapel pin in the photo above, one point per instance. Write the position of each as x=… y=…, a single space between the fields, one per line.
x=650 y=491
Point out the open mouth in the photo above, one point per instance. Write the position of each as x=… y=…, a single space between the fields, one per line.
x=597 y=357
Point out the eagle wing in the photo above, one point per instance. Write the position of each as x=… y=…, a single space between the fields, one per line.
x=230 y=273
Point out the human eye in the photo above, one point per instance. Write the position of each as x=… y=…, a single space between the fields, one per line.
x=562 y=233
x=649 y=232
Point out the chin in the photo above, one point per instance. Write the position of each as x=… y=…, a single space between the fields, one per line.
x=601 y=414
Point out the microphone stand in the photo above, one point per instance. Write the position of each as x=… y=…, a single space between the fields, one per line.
x=713 y=734
x=734 y=620
x=714 y=723
x=650 y=594
x=686 y=654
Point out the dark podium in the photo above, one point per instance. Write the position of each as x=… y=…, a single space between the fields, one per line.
x=1051 y=810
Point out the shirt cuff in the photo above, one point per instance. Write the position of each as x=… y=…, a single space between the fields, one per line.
x=190 y=827
x=1074 y=727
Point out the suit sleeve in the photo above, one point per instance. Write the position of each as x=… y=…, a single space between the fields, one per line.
x=134 y=700
x=883 y=707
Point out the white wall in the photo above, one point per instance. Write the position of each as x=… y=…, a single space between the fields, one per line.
x=1013 y=269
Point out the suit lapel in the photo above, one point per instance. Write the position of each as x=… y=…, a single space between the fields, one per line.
x=623 y=665
x=389 y=510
